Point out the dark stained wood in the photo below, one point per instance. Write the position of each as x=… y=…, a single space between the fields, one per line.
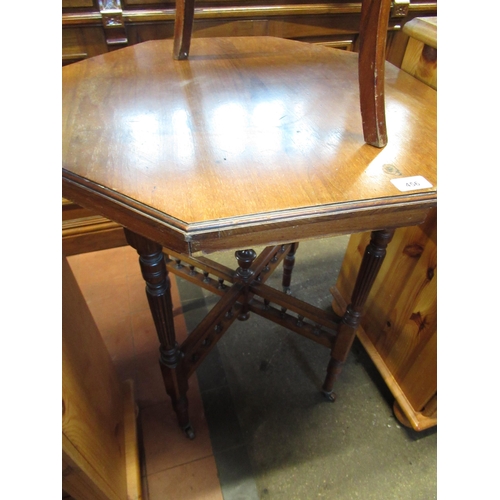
x=183 y=29
x=288 y=264
x=372 y=38
x=211 y=329
x=333 y=371
x=370 y=265
x=245 y=274
x=372 y=260
x=236 y=298
x=155 y=274
x=299 y=307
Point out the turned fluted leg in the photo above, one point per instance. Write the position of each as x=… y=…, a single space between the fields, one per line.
x=288 y=264
x=155 y=274
x=370 y=265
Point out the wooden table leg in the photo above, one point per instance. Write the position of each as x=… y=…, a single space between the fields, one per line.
x=155 y=274
x=288 y=264
x=245 y=260
x=370 y=265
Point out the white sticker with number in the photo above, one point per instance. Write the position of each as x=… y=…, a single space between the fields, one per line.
x=411 y=183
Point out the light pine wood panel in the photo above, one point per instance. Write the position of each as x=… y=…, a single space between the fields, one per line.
x=409 y=343
x=94 y=463
x=420 y=61
x=80 y=478
x=399 y=328
x=133 y=468
x=423 y=29
x=421 y=360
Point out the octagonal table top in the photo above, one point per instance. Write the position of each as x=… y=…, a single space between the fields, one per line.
x=251 y=140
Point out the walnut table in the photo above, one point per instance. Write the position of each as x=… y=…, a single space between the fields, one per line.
x=251 y=141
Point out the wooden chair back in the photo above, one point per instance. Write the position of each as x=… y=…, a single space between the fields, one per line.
x=372 y=38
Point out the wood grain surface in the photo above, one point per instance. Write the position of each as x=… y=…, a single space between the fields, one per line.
x=99 y=430
x=248 y=136
x=399 y=328
x=92 y=421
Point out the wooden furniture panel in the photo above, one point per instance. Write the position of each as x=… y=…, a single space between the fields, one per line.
x=399 y=329
x=80 y=43
x=420 y=58
x=85 y=230
x=99 y=439
x=67 y=4
x=142 y=20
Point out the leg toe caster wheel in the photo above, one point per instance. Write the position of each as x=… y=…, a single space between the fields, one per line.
x=330 y=396
x=189 y=431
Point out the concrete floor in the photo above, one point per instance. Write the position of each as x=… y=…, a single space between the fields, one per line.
x=273 y=434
